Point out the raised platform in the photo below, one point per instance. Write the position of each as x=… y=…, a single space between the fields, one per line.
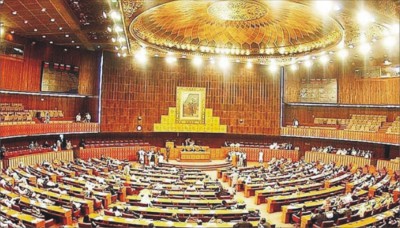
x=205 y=166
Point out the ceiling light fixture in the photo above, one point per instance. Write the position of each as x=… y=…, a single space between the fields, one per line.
x=343 y=53
x=43 y=9
x=364 y=17
x=197 y=60
x=14 y=12
x=365 y=48
x=249 y=64
x=52 y=20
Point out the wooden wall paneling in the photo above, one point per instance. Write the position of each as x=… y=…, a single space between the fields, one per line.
x=352 y=89
x=229 y=93
x=25 y=75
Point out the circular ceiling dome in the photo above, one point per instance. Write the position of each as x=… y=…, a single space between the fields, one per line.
x=237 y=28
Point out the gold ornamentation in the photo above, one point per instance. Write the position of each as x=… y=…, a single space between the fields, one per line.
x=131 y=6
x=210 y=28
x=237 y=10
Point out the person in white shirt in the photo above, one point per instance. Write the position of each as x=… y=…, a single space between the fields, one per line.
x=261 y=157
x=78 y=117
x=145 y=199
x=88 y=117
x=127 y=170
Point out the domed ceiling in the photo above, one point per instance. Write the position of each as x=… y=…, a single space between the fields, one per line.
x=253 y=29
x=235 y=28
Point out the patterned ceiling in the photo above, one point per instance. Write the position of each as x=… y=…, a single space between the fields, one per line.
x=235 y=28
x=255 y=29
x=60 y=22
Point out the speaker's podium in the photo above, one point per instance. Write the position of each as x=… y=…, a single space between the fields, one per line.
x=194 y=153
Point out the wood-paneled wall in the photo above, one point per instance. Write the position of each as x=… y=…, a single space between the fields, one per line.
x=352 y=89
x=25 y=75
x=69 y=105
x=306 y=114
x=130 y=90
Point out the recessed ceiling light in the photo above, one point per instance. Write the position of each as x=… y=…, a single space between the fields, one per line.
x=98 y=46
x=12 y=32
x=73 y=41
x=43 y=9
x=35 y=29
x=26 y=22
x=51 y=42
x=66 y=35
x=52 y=20
x=60 y=28
x=1 y=1
x=43 y=36
x=77 y=46
x=14 y=12
x=65 y=49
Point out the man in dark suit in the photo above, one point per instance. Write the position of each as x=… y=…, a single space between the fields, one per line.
x=244 y=223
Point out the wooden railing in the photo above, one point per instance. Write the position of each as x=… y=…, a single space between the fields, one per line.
x=33 y=159
x=341 y=135
x=253 y=153
x=311 y=156
x=52 y=128
x=394 y=166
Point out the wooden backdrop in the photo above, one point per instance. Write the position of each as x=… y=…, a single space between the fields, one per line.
x=131 y=90
x=25 y=75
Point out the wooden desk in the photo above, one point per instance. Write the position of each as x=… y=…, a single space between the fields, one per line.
x=370 y=220
x=156 y=213
x=111 y=220
x=262 y=195
x=163 y=202
x=65 y=199
x=25 y=218
x=276 y=202
x=195 y=156
x=106 y=197
x=64 y=214
x=337 y=180
x=289 y=210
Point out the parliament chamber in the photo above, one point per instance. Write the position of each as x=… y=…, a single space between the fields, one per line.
x=199 y=113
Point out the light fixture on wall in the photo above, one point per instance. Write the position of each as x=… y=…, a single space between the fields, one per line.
x=139 y=124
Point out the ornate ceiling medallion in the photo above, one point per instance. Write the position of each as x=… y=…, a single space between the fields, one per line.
x=249 y=29
x=237 y=10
